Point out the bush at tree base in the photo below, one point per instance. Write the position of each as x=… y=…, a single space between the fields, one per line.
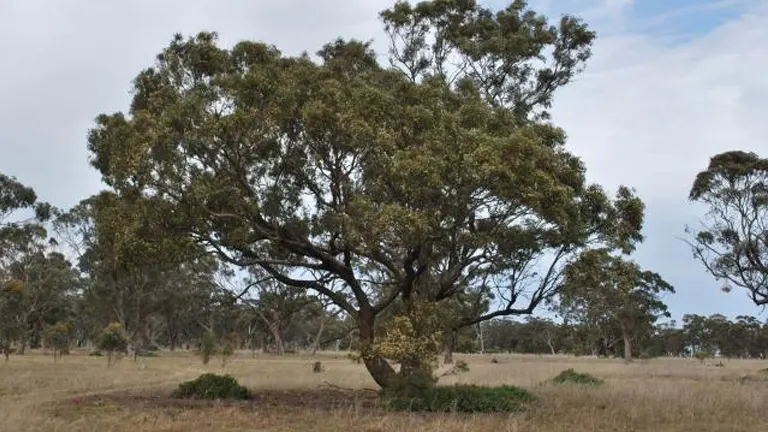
x=212 y=386
x=460 y=398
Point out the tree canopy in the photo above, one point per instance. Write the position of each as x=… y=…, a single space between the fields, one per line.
x=370 y=184
x=732 y=241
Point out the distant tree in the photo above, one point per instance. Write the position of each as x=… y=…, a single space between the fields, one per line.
x=276 y=305
x=670 y=340
x=21 y=234
x=132 y=260
x=603 y=289
x=58 y=338
x=49 y=282
x=21 y=219
x=731 y=243
x=113 y=340
x=12 y=325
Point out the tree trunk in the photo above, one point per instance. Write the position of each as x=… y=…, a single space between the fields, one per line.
x=22 y=344
x=449 y=346
x=381 y=371
x=549 y=343
x=481 y=338
x=316 y=342
x=627 y=346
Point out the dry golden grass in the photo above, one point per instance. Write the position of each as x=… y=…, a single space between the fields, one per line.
x=81 y=393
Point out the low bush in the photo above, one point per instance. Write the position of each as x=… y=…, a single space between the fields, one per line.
x=212 y=386
x=460 y=398
x=570 y=376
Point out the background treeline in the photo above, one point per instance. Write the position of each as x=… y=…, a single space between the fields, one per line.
x=66 y=276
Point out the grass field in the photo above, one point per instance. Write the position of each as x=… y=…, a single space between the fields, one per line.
x=80 y=393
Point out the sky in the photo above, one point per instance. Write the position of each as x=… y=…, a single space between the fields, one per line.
x=670 y=83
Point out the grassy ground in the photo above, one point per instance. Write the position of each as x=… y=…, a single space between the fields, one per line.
x=81 y=393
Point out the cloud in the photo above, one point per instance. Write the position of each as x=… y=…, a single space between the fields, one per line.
x=668 y=87
x=649 y=113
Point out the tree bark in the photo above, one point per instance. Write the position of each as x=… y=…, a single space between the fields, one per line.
x=381 y=371
x=279 y=346
x=449 y=346
x=22 y=344
x=481 y=338
x=549 y=343
x=627 y=346
x=316 y=342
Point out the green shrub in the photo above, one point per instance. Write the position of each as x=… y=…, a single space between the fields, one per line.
x=212 y=386
x=703 y=355
x=413 y=385
x=460 y=398
x=113 y=339
x=570 y=376
x=461 y=366
x=58 y=337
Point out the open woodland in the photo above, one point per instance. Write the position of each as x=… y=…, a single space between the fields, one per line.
x=338 y=242
x=80 y=393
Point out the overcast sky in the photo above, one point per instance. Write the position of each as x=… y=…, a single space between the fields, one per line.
x=671 y=83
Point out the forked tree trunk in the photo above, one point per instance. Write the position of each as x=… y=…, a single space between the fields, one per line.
x=279 y=346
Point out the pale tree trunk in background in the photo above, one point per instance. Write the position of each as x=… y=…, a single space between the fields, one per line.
x=481 y=337
x=549 y=343
x=627 y=344
x=316 y=342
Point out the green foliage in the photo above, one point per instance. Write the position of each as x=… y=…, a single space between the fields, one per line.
x=570 y=376
x=212 y=386
x=731 y=242
x=703 y=355
x=412 y=338
x=113 y=340
x=416 y=384
x=397 y=182
x=460 y=398
x=461 y=366
x=58 y=338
